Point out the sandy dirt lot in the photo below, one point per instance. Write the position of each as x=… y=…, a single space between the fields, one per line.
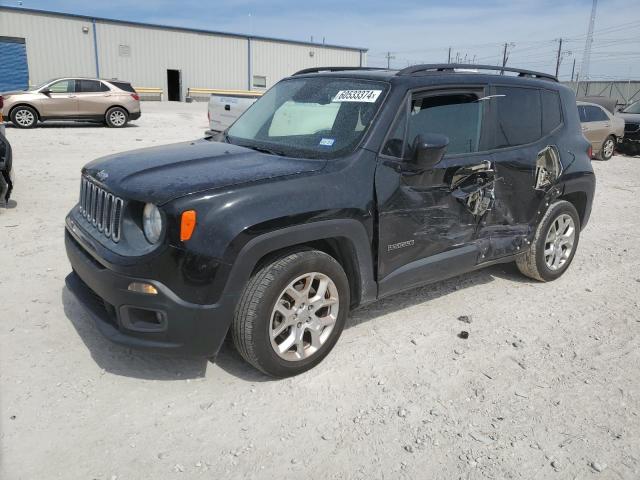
x=545 y=387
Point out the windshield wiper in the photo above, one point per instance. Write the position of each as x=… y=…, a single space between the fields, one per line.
x=265 y=150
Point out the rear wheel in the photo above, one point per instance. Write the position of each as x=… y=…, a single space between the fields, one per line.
x=116 y=117
x=291 y=313
x=24 y=117
x=608 y=147
x=554 y=243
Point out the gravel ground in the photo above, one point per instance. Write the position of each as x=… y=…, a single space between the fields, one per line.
x=545 y=387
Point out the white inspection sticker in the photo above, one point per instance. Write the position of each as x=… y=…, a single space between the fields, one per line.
x=369 y=96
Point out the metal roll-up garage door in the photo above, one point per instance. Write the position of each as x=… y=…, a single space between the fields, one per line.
x=14 y=71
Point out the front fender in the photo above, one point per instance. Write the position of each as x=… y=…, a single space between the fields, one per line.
x=342 y=230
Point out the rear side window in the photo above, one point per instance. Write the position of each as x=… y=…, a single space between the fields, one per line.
x=519 y=116
x=124 y=86
x=91 y=86
x=456 y=115
x=551 y=111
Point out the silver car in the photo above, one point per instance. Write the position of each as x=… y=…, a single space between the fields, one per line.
x=601 y=128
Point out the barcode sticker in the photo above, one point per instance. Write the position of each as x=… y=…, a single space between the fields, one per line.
x=369 y=96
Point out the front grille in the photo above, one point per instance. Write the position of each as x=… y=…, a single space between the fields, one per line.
x=631 y=127
x=102 y=209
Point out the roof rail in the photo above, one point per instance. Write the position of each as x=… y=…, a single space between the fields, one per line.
x=334 y=69
x=450 y=67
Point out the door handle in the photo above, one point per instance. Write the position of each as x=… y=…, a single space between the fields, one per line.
x=107 y=95
x=607 y=125
x=71 y=96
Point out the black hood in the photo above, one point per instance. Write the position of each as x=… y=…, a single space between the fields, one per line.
x=161 y=174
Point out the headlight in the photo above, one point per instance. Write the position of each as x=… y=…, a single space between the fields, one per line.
x=151 y=223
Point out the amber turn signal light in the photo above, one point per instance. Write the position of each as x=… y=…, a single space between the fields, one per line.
x=187 y=224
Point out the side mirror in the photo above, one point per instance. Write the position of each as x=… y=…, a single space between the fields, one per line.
x=45 y=91
x=429 y=149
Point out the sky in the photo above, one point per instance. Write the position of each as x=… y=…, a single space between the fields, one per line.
x=411 y=31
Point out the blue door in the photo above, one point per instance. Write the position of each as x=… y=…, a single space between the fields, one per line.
x=14 y=72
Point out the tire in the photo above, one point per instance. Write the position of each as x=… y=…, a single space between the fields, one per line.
x=24 y=116
x=534 y=263
x=116 y=117
x=256 y=317
x=608 y=148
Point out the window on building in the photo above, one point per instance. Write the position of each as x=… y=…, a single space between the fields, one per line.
x=63 y=86
x=456 y=115
x=259 y=81
x=519 y=116
x=91 y=86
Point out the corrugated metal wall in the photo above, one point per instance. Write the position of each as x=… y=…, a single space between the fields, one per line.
x=64 y=46
x=143 y=55
x=56 y=46
x=14 y=71
x=276 y=60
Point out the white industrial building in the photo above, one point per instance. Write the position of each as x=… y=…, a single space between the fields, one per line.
x=38 y=45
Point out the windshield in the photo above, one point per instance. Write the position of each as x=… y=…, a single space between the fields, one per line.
x=318 y=117
x=633 y=108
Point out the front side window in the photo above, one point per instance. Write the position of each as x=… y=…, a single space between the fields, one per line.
x=63 y=86
x=518 y=116
x=458 y=116
x=582 y=114
x=315 y=117
x=595 y=114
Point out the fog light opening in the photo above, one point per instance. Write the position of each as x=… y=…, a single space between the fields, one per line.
x=141 y=287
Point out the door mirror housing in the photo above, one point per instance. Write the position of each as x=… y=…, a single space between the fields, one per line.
x=428 y=150
x=46 y=91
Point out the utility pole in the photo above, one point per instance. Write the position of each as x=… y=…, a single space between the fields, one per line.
x=449 y=58
x=586 y=56
x=389 y=58
x=573 y=69
x=505 y=55
x=559 y=57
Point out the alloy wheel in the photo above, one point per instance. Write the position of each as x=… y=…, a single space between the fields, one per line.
x=117 y=118
x=24 y=118
x=608 y=148
x=304 y=316
x=559 y=242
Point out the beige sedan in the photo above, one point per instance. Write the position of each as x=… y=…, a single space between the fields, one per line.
x=601 y=128
x=110 y=101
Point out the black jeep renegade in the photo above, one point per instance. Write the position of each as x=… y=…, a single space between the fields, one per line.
x=338 y=187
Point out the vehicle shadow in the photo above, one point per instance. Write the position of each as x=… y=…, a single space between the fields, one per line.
x=124 y=361
x=145 y=365
x=63 y=124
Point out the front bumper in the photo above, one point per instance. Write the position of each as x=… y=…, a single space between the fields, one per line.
x=161 y=322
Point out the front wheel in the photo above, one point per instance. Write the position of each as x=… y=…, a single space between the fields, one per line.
x=116 y=117
x=553 y=245
x=608 y=147
x=291 y=313
x=24 y=117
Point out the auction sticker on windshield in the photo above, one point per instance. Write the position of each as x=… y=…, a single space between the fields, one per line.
x=369 y=96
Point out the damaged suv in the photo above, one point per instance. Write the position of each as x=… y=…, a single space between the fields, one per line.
x=336 y=188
